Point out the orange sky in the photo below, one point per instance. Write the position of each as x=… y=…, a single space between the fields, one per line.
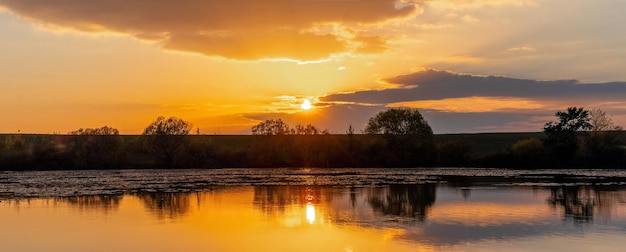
x=227 y=65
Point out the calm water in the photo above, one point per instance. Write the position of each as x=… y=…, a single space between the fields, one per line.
x=313 y=210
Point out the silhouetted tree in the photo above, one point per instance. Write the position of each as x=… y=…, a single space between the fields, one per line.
x=563 y=134
x=102 y=131
x=307 y=130
x=271 y=127
x=399 y=121
x=601 y=146
x=96 y=148
x=409 y=137
x=166 y=138
x=350 y=130
x=172 y=126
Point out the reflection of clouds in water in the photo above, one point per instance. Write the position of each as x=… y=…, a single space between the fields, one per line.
x=452 y=234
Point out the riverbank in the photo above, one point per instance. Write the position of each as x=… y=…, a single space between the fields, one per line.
x=67 y=152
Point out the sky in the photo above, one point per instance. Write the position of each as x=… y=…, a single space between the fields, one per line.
x=468 y=65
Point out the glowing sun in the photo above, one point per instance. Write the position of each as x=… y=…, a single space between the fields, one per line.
x=306 y=104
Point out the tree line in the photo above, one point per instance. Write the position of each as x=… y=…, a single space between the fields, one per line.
x=397 y=137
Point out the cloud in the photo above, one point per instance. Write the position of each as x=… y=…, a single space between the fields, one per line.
x=435 y=85
x=453 y=102
x=237 y=29
x=472 y=104
x=522 y=49
x=458 y=103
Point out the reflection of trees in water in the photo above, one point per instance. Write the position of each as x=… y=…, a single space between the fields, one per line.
x=104 y=203
x=166 y=204
x=272 y=199
x=583 y=203
x=403 y=200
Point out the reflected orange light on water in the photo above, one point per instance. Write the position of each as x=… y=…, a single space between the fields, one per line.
x=310 y=218
x=310 y=213
x=225 y=220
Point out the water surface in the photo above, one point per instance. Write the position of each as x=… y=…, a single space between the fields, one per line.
x=313 y=210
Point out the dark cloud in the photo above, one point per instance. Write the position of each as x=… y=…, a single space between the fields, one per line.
x=455 y=103
x=241 y=29
x=435 y=85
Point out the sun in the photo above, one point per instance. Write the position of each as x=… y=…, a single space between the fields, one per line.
x=306 y=105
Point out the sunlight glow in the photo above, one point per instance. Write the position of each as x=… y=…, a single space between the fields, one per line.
x=310 y=213
x=306 y=104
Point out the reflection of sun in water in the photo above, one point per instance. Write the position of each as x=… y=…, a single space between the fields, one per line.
x=310 y=213
x=306 y=104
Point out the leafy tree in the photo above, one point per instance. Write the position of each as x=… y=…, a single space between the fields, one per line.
x=165 y=137
x=573 y=120
x=399 y=121
x=271 y=127
x=563 y=134
x=409 y=137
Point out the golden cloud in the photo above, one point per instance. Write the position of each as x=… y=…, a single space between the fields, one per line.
x=238 y=29
x=472 y=104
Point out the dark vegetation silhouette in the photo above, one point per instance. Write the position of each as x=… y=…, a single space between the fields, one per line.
x=165 y=138
x=397 y=137
x=408 y=137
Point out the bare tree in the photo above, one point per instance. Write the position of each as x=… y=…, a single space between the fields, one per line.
x=103 y=131
x=168 y=126
x=600 y=121
x=271 y=127
x=96 y=148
